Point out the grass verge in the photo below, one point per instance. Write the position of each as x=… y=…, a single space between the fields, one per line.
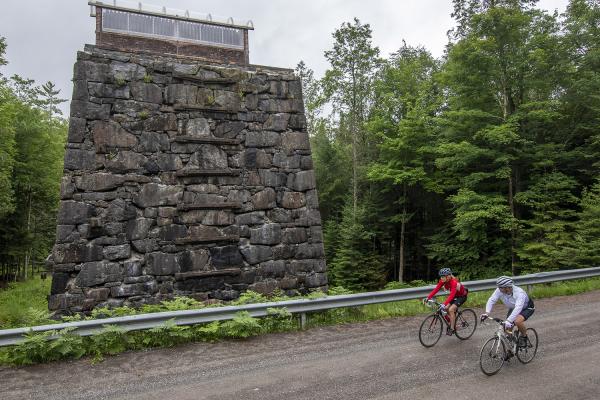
x=24 y=303
x=30 y=296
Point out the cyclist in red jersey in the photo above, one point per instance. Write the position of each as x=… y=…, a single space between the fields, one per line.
x=458 y=295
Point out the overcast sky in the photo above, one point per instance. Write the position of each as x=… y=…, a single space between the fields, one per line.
x=44 y=36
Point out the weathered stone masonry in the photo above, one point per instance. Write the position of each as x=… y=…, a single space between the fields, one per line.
x=183 y=179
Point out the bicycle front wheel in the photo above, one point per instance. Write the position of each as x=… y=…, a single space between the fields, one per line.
x=526 y=354
x=466 y=323
x=430 y=330
x=492 y=356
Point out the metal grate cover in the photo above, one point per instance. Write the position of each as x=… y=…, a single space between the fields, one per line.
x=154 y=26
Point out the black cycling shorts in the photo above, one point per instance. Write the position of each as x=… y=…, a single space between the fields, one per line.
x=459 y=300
x=526 y=312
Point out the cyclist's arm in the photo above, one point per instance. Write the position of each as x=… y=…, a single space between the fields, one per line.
x=519 y=305
x=492 y=300
x=452 y=294
x=435 y=290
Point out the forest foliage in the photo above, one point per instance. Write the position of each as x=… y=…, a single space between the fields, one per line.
x=32 y=141
x=484 y=160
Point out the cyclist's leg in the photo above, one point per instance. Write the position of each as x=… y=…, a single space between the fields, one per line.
x=456 y=302
x=520 y=322
x=452 y=314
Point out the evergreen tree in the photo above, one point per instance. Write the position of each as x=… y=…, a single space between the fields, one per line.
x=50 y=99
x=550 y=230
x=7 y=150
x=7 y=140
x=348 y=85
x=406 y=99
x=580 y=103
x=312 y=95
x=583 y=252
x=357 y=265
x=504 y=70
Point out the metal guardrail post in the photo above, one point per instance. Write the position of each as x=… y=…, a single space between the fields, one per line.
x=303 y=320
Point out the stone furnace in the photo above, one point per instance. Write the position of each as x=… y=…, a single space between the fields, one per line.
x=187 y=170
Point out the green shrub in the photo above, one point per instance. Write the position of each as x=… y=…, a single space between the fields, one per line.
x=278 y=320
x=167 y=335
x=336 y=291
x=112 y=340
x=249 y=297
x=241 y=326
x=207 y=332
x=105 y=312
x=34 y=349
x=68 y=345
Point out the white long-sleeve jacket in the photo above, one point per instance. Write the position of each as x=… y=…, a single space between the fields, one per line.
x=517 y=301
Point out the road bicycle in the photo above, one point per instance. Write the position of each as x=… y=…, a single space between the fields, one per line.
x=431 y=328
x=503 y=346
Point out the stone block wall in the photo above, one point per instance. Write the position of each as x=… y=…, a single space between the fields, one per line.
x=183 y=179
x=123 y=42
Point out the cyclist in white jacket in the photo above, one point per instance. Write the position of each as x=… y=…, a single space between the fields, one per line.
x=520 y=306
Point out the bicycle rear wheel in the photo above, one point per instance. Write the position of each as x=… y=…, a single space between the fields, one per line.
x=430 y=330
x=466 y=323
x=526 y=354
x=492 y=356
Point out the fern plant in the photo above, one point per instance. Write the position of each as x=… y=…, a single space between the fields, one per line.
x=112 y=340
x=249 y=297
x=67 y=346
x=278 y=320
x=167 y=335
x=243 y=325
x=34 y=349
x=207 y=332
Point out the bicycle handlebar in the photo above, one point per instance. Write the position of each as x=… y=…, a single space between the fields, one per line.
x=434 y=304
x=498 y=320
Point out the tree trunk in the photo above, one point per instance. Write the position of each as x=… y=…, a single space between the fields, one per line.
x=401 y=255
x=28 y=251
x=428 y=269
x=402 y=232
x=511 y=202
x=354 y=132
x=354 y=170
x=396 y=256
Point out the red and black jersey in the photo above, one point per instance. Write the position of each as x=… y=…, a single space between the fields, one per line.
x=453 y=285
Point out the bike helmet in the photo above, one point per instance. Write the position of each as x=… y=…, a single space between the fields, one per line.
x=504 y=281
x=445 y=271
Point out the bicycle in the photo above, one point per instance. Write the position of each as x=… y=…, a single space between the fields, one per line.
x=503 y=346
x=431 y=328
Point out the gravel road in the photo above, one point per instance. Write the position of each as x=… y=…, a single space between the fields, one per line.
x=375 y=360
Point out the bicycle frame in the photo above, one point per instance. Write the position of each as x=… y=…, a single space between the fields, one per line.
x=439 y=311
x=505 y=337
x=431 y=330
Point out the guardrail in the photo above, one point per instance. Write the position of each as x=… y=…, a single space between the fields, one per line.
x=303 y=306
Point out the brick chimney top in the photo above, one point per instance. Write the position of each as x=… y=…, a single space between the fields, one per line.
x=126 y=26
